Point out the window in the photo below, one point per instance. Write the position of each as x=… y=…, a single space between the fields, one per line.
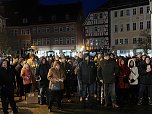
x=121 y=41
x=15 y=32
x=25 y=31
x=43 y=41
x=55 y=29
x=115 y=14
x=95 y=16
x=25 y=20
x=134 y=11
x=127 y=13
x=141 y=25
x=72 y=40
x=126 y=41
x=128 y=27
x=121 y=13
x=47 y=41
x=47 y=29
x=116 y=41
x=141 y=10
x=116 y=28
x=148 y=24
x=121 y=27
x=39 y=29
x=60 y=41
x=96 y=29
x=56 y=41
x=134 y=40
x=67 y=40
x=67 y=28
x=139 y=40
x=101 y=15
x=134 y=26
x=149 y=39
x=61 y=29
x=39 y=42
x=34 y=42
x=34 y=29
x=148 y=9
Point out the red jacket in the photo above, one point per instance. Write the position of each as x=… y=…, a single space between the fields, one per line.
x=123 y=76
x=26 y=74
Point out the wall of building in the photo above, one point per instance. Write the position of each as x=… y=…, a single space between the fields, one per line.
x=127 y=25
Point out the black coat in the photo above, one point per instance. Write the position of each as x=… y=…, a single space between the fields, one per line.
x=87 y=72
x=144 y=77
x=107 y=71
x=7 y=78
x=42 y=71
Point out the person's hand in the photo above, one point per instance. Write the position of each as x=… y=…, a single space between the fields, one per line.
x=132 y=80
x=101 y=81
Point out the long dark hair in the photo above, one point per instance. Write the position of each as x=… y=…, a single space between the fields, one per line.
x=8 y=63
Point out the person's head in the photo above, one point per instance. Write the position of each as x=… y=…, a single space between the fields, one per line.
x=147 y=59
x=106 y=56
x=134 y=58
x=143 y=57
x=121 y=61
x=131 y=63
x=86 y=57
x=57 y=58
x=80 y=55
x=5 y=63
x=32 y=56
x=43 y=61
x=63 y=59
x=51 y=58
x=57 y=65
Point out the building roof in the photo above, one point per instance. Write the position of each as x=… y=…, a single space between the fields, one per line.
x=42 y=14
x=118 y=4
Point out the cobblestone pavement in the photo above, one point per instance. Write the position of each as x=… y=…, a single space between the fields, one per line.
x=76 y=108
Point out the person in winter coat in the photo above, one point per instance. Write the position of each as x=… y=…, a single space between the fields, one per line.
x=27 y=76
x=56 y=77
x=68 y=73
x=133 y=80
x=42 y=72
x=19 y=79
x=8 y=84
x=123 y=81
x=107 y=71
x=87 y=76
x=145 y=77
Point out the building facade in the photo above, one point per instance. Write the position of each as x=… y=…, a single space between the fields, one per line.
x=96 y=30
x=50 y=28
x=128 y=21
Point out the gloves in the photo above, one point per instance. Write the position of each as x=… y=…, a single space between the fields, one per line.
x=132 y=80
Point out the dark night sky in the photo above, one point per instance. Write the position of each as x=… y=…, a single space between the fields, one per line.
x=88 y=5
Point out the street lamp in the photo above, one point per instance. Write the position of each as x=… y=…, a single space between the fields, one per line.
x=82 y=48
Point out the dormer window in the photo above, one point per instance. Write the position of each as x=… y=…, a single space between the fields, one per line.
x=67 y=16
x=53 y=18
x=40 y=18
x=25 y=20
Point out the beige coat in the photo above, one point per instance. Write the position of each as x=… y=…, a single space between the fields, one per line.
x=55 y=77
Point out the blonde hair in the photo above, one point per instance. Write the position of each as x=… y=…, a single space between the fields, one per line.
x=55 y=63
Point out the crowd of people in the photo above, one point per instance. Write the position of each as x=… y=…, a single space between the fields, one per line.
x=112 y=81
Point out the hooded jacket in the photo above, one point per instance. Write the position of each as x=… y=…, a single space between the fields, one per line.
x=134 y=73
